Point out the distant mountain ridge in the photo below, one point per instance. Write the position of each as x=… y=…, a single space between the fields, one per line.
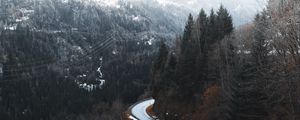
x=243 y=11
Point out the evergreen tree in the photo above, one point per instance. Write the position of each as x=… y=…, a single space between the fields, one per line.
x=212 y=27
x=162 y=57
x=186 y=65
x=169 y=73
x=247 y=98
x=202 y=50
x=201 y=30
x=224 y=20
x=187 y=35
x=227 y=66
x=159 y=68
x=260 y=44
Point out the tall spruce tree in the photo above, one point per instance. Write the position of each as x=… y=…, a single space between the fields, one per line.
x=248 y=94
x=186 y=64
x=168 y=75
x=212 y=27
x=187 y=35
x=247 y=98
x=201 y=26
x=260 y=44
x=224 y=20
x=159 y=68
x=201 y=40
x=227 y=68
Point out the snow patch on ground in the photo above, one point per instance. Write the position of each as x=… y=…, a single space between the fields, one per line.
x=100 y=82
x=78 y=49
x=150 y=42
x=109 y=3
x=135 y=18
x=12 y=27
x=25 y=18
x=115 y=52
x=131 y=6
x=244 y=52
x=168 y=2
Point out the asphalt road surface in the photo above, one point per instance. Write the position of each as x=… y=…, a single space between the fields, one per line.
x=139 y=110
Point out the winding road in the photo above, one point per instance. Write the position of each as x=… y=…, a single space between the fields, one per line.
x=139 y=110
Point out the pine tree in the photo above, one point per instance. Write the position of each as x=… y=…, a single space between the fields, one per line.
x=186 y=64
x=159 y=68
x=168 y=75
x=248 y=94
x=162 y=57
x=247 y=98
x=212 y=27
x=224 y=20
x=228 y=66
x=187 y=35
x=260 y=44
x=201 y=32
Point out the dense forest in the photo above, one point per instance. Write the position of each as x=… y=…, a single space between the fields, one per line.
x=216 y=72
x=92 y=60
x=70 y=60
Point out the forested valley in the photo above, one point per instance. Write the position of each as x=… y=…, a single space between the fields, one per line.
x=73 y=60
x=97 y=59
x=218 y=72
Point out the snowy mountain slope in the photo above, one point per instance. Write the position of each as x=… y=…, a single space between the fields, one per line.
x=76 y=33
x=243 y=11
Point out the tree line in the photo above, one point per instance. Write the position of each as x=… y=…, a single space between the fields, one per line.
x=216 y=72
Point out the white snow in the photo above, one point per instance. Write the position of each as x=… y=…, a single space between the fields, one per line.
x=135 y=18
x=22 y=19
x=168 y=2
x=140 y=110
x=115 y=52
x=99 y=70
x=65 y=1
x=12 y=27
x=109 y=3
x=74 y=29
x=87 y=87
x=247 y=52
x=244 y=51
x=78 y=49
x=273 y=52
x=131 y=6
x=91 y=87
x=102 y=82
x=81 y=76
x=150 y=42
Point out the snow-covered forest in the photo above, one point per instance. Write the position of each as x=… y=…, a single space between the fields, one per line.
x=76 y=59
x=198 y=59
